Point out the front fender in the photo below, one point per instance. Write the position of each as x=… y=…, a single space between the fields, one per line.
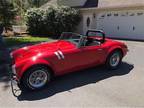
x=21 y=69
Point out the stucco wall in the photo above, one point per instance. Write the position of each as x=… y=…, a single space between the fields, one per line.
x=92 y=15
x=128 y=23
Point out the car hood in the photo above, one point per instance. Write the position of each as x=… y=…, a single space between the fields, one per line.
x=49 y=47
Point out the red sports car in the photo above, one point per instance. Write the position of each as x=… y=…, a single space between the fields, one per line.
x=34 y=66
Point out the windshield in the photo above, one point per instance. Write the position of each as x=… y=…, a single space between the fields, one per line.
x=71 y=37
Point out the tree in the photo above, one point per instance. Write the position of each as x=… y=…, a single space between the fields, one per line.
x=36 y=3
x=7 y=13
x=23 y=5
x=52 y=21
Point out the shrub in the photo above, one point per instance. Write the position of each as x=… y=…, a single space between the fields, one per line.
x=52 y=21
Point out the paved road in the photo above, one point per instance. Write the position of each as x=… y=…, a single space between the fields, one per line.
x=96 y=87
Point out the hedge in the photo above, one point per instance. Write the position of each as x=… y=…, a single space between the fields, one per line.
x=52 y=21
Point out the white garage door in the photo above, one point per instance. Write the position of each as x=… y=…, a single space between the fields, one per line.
x=122 y=24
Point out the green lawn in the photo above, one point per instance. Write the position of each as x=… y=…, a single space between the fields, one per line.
x=14 y=41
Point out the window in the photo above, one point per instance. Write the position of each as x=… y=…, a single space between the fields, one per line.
x=123 y=14
x=109 y=14
x=116 y=14
x=103 y=16
x=132 y=14
x=140 y=13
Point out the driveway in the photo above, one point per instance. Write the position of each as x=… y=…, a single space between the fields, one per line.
x=95 y=87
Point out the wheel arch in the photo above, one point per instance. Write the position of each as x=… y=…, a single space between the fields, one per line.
x=36 y=65
x=115 y=49
x=112 y=50
x=109 y=55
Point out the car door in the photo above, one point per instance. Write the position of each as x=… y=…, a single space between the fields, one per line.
x=80 y=58
x=71 y=61
x=92 y=55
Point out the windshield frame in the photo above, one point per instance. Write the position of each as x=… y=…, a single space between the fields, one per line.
x=97 y=31
x=76 y=43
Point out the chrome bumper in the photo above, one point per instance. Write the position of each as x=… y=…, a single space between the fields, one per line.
x=12 y=69
x=13 y=73
x=14 y=80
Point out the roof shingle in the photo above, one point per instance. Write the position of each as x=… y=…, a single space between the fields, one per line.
x=91 y=3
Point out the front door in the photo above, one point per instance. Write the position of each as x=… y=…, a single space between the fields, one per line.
x=80 y=58
x=92 y=55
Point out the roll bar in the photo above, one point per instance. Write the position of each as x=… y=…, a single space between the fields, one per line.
x=97 y=31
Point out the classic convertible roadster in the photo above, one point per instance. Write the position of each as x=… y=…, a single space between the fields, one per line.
x=34 y=66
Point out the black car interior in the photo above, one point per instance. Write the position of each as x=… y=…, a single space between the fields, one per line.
x=91 y=40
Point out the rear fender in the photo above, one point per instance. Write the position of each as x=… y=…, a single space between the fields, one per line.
x=113 y=49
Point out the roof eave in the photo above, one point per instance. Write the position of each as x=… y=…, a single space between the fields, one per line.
x=112 y=7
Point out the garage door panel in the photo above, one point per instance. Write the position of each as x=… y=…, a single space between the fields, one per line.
x=130 y=27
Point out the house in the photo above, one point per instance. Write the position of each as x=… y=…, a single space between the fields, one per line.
x=117 y=18
x=73 y=3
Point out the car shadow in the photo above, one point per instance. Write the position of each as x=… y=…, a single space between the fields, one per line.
x=74 y=80
x=4 y=77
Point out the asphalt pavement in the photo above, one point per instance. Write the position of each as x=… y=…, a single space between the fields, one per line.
x=95 y=87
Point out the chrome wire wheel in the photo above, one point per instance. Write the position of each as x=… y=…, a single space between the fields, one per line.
x=115 y=59
x=38 y=78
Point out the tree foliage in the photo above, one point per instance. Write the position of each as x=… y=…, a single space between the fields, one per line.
x=23 y=5
x=37 y=3
x=7 y=13
x=52 y=21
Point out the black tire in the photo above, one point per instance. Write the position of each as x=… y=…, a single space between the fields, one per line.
x=109 y=65
x=26 y=83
